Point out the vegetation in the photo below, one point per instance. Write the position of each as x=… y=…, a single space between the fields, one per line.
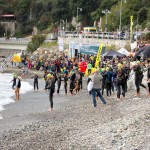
x=50 y=13
x=49 y=44
x=2 y=31
x=36 y=42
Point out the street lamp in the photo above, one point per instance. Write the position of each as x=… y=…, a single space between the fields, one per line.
x=106 y=11
x=62 y=21
x=78 y=9
x=121 y=16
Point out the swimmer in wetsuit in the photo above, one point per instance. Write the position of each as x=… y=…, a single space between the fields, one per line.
x=35 y=77
x=17 y=88
x=14 y=81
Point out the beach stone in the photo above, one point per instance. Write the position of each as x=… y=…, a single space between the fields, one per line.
x=77 y=125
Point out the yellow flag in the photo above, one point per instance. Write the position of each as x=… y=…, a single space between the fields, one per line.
x=131 y=25
x=98 y=57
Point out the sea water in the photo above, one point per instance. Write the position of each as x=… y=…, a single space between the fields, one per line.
x=6 y=91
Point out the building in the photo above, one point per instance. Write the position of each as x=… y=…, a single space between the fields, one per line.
x=8 y=21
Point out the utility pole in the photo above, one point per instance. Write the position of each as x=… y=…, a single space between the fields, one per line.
x=66 y=24
x=31 y=9
x=106 y=11
x=120 y=26
x=137 y=28
x=30 y=13
x=78 y=15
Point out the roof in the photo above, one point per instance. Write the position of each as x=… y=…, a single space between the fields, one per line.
x=111 y=53
x=123 y=51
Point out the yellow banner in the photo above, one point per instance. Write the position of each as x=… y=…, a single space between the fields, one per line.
x=131 y=25
x=98 y=57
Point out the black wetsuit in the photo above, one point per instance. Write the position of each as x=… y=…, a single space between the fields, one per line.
x=45 y=78
x=14 y=83
x=36 y=85
x=127 y=72
x=72 y=82
x=80 y=85
x=18 y=83
x=103 y=82
x=148 y=77
x=65 y=83
x=50 y=84
x=58 y=82
x=138 y=78
x=120 y=82
x=108 y=82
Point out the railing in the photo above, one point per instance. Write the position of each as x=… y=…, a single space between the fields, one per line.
x=98 y=35
x=14 y=41
x=6 y=62
x=102 y=35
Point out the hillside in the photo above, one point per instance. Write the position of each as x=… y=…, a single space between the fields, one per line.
x=53 y=13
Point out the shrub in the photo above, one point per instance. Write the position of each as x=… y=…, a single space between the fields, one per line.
x=37 y=40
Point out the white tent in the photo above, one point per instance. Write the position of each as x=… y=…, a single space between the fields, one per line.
x=124 y=51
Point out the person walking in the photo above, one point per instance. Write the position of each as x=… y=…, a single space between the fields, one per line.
x=103 y=80
x=80 y=80
x=120 y=82
x=66 y=82
x=51 y=87
x=96 y=78
x=45 y=78
x=148 y=79
x=58 y=82
x=138 y=77
x=17 y=88
x=72 y=82
x=14 y=81
x=35 y=81
x=108 y=81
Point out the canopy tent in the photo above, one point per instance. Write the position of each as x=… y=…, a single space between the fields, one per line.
x=124 y=51
x=16 y=58
x=113 y=54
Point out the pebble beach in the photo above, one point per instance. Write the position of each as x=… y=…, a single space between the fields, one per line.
x=75 y=124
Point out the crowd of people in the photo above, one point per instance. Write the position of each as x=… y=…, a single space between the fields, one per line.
x=111 y=76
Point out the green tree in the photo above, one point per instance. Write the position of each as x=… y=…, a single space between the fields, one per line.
x=2 y=31
x=142 y=15
x=36 y=42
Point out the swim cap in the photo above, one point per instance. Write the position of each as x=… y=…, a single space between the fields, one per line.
x=14 y=75
x=49 y=76
x=103 y=69
x=107 y=69
x=138 y=62
x=119 y=66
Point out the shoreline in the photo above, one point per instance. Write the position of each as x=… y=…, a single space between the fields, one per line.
x=25 y=83
x=74 y=123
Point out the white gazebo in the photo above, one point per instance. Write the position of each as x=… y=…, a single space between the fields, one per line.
x=124 y=51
